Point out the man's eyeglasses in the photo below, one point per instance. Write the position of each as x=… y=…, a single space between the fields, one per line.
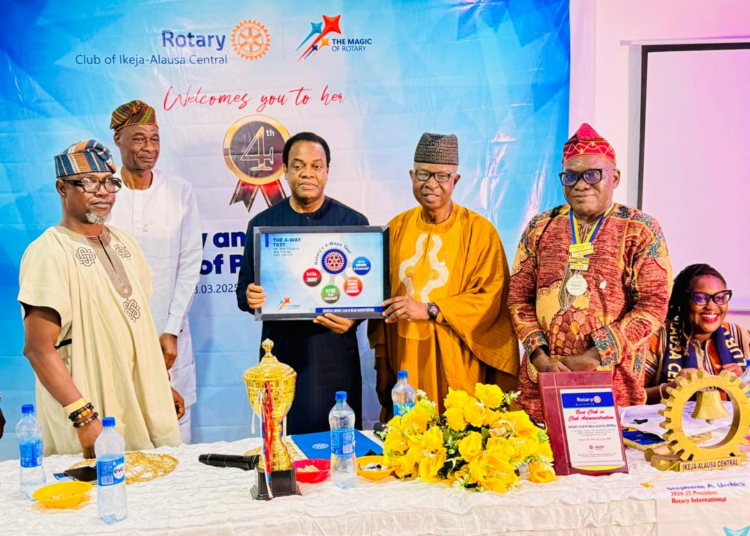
x=720 y=298
x=424 y=176
x=591 y=176
x=91 y=185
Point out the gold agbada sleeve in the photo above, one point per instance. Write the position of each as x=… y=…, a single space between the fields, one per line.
x=460 y=266
x=478 y=314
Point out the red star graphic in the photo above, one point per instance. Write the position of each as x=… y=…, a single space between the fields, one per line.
x=331 y=24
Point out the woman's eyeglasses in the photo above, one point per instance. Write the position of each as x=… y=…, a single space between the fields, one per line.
x=720 y=298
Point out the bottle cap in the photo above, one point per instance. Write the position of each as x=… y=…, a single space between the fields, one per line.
x=108 y=421
x=27 y=408
x=340 y=395
x=402 y=374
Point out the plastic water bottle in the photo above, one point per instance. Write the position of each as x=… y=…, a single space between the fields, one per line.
x=746 y=379
x=343 y=457
x=110 y=470
x=29 y=433
x=403 y=395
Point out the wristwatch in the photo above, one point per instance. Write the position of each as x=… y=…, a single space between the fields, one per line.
x=432 y=311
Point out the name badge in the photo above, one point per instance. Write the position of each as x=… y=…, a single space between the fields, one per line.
x=579 y=250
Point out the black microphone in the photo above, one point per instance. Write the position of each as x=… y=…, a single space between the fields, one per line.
x=246 y=463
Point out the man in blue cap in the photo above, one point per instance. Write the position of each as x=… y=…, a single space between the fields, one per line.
x=84 y=290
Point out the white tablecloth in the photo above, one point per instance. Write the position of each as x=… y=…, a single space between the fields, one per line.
x=199 y=500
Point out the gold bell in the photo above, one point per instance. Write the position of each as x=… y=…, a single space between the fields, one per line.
x=708 y=406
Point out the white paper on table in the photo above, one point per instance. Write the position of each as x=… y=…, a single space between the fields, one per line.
x=699 y=504
x=691 y=426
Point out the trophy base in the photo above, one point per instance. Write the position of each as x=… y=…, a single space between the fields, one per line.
x=283 y=484
x=669 y=462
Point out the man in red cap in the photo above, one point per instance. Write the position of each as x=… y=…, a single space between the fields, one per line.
x=591 y=279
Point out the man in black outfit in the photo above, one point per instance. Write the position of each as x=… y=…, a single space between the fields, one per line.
x=324 y=352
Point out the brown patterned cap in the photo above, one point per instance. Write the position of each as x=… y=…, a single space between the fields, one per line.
x=133 y=113
x=437 y=149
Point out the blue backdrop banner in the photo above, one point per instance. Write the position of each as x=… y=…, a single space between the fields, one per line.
x=229 y=82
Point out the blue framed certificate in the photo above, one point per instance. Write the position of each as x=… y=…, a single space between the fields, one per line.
x=309 y=271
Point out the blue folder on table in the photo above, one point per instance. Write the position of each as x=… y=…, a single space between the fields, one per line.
x=318 y=445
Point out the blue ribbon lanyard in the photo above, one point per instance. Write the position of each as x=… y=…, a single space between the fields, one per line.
x=581 y=249
x=592 y=233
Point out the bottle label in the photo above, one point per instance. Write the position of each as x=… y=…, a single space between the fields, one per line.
x=31 y=453
x=342 y=441
x=402 y=409
x=111 y=472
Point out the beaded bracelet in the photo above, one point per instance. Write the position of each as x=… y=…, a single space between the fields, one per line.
x=81 y=424
x=81 y=412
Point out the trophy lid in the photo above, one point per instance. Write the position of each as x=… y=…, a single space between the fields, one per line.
x=269 y=369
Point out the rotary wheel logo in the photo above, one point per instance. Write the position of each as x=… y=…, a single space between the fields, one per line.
x=334 y=261
x=251 y=40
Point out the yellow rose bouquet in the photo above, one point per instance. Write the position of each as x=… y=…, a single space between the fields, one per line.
x=476 y=443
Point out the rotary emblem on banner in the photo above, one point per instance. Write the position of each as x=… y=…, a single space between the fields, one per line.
x=253 y=148
x=250 y=39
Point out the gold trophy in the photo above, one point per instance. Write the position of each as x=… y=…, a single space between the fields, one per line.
x=680 y=452
x=270 y=389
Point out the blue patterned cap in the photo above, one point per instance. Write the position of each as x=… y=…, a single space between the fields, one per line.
x=84 y=157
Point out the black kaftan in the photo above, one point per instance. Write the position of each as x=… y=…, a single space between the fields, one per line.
x=325 y=362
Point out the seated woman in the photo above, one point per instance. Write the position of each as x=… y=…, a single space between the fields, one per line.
x=695 y=336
